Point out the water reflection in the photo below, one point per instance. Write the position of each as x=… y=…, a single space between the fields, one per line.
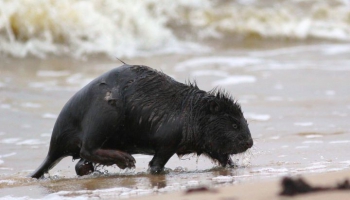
x=134 y=183
x=158 y=181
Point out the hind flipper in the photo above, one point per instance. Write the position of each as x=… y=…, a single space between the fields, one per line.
x=46 y=165
x=105 y=118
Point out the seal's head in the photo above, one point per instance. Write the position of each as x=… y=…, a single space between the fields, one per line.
x=224 y=128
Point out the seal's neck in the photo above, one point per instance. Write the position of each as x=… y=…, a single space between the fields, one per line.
x=193 y=111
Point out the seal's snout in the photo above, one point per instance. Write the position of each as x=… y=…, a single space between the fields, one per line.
x=249 y=143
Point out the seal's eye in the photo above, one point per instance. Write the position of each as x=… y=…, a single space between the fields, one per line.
x=235 y=126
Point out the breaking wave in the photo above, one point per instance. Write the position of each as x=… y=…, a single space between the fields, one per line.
x=130 y=27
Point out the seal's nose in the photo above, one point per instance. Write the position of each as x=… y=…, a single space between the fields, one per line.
x=249 y=143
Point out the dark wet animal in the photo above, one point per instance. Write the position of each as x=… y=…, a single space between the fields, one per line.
x=138 y=110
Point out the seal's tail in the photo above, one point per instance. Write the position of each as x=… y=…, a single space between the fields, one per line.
x=47 y=164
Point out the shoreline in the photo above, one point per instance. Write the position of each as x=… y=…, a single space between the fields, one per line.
x=264 y=189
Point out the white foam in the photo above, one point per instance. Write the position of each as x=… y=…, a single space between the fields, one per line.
x=122 y=28
x=75 y=78
x=9 y=140
x=192 y=183
x=47 y=73
x=273 y=170
x=49 y=116
x=223 y=179
x=330 y=92
x=26 y=126
x=341 y=114
x=30 y=142
x=257 y=117
x=313 y=136
x=8 y=155
x=170 y=188
x=275 y=137
x=46 y=84
x=226 y=62
x=142 y=156
x=278 y=87
x=345 y=162
x=313 y=142
x=45 y=135
x=1 y=162
x=303 y=123
x=336 y=49
x=131 y=28
x=339 y=142
x=78 y=79
x=276 y=66
x=5 y=106
x=232 y=80
x=302 y=147
x=243 y=159
x=317 y=166
x=31 y=105
x=248 y=97
x=7 y=182
x=6 y=168
x=48 y=197
x=210 y=73
x=274 y=98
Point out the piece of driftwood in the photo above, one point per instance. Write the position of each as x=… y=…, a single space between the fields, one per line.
x=292 y=187
x=200 y=189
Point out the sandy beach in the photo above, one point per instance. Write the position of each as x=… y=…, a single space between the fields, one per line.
x=265 y=190
x=287 y=64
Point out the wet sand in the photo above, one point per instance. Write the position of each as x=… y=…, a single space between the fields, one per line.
x=268 y=190
x=296 y=100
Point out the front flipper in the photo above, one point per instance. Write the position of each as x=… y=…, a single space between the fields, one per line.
x=84 y=167
x=109 y=157
x=223 y=159
x=160 y=158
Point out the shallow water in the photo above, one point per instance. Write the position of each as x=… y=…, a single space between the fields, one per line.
x=296 y=99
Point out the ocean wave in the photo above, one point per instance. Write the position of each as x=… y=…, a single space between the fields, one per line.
x=288 y=19
x=78 y=28
x=130 y=28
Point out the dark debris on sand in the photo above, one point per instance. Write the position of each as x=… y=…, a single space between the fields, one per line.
x=292 y=187
x=200 y=189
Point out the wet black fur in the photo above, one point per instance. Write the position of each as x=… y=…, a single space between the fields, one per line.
x=136 y=109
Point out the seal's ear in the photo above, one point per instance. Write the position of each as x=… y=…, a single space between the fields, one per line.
x=214 y=107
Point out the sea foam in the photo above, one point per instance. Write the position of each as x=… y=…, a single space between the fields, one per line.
x=233 y=80
x=132 y=28
x=225 y=62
